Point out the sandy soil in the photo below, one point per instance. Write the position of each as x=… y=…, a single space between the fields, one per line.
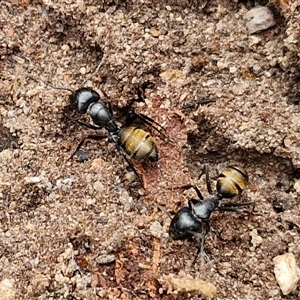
x=82 y=230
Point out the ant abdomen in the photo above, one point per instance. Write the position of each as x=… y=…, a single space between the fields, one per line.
x=232 y=181
x=138 y=143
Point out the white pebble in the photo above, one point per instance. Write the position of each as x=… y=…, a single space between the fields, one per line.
x=98 y=186
x=287 y=273
x=156 y=229
x=34 y=179
x=259 y=18
x=232 y=69
x=82 y=70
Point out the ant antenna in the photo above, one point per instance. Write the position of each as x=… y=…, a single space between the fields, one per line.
x=94 y=73
x=47 y=82
x=36 y=78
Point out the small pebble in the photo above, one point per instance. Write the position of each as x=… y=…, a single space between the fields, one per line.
x=7 y=290
x=259 y=18
x=287 y=273
x=98 y=186
x=156 y=229
x=297 y=186
x=154 y=32
x=83 y=155
x=105 y=259
x=256 y=239
x=82 y=70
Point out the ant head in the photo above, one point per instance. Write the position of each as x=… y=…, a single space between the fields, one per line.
x=82 y=98
x=184 y=224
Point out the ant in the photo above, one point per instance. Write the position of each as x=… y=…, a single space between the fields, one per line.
x=132 y=142
x=193 y=221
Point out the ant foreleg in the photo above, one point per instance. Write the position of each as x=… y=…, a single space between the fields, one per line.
x=199 y=194
x=188 y=186
x=95 y=72
x=110 y=107
x=89 y=137
x=234 y=207
x=88 y=125
x=36 y=78
x=205 y=230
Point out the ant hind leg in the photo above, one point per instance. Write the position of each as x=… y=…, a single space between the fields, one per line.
x=146 y=120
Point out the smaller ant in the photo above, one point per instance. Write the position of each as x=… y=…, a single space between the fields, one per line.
x=193 y=221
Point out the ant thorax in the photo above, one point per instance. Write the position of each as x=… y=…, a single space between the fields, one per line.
x=203 y=209
x=101 y=116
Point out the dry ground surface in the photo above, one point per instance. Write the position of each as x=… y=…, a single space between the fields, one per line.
x=83 y=230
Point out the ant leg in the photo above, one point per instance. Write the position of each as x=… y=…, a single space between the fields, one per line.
x=199 y=194
x=98 y=138
x=89 y=137
x=110 y=107
x=88 y=125
x=133 y=168
x=129 y=163
x=234 y=207
x=184 y=187
x=165 y=211
x=207 y=179
x=188 y=186
x=200 y=247
x=201 y=240
x=205 y=227
x=148 y=121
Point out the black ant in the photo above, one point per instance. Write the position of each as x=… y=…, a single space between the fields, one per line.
x=193 y=221
x=131 y=141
